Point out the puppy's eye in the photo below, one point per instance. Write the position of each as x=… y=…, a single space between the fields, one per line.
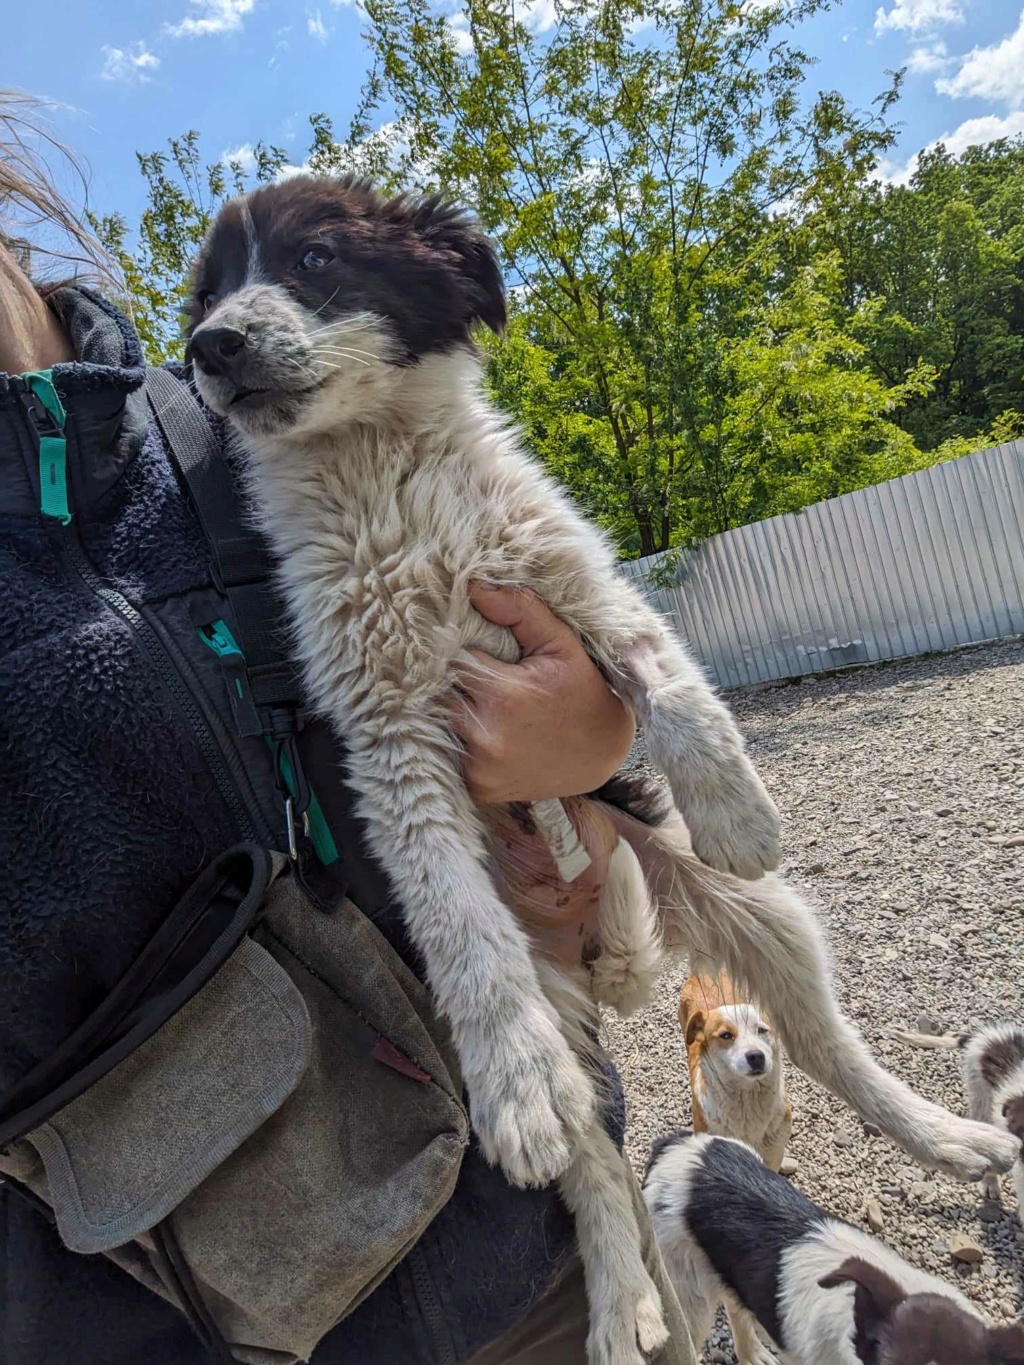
x=763 y=1030
x=316 y=258
x=206 y=299
x=727 y=1037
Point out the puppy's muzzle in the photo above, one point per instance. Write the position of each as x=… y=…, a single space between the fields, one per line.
x=220 y=351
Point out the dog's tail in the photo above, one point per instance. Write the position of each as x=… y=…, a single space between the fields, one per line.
x=934 y=1041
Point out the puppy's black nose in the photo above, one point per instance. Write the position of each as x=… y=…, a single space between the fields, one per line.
x=217 y=349
x=755 y=1060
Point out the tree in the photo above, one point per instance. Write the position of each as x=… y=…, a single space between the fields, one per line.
x=627 y=161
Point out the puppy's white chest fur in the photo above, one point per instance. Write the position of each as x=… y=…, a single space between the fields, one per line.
x=381 y=536
x=749 y=1113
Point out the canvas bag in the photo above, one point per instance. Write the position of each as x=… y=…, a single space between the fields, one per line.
x=284 y=1137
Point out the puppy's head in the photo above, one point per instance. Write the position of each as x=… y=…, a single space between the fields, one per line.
x=734 y=1039
x=310 y=298
x=893 y=1328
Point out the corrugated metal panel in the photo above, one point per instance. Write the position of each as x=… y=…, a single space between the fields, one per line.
x=925 y=562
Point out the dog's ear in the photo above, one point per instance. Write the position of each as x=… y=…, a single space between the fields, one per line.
x=1006 y=1345
x=445 y=226
x=694 y=1027
x=876 y=1297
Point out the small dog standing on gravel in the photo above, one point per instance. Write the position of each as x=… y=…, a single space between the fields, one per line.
x=823 y=1291
x=993 y=1068
x=737 y=1087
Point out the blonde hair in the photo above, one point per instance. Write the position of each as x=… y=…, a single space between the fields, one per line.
x=36 y=218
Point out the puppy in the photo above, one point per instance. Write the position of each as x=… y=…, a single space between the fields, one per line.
x=736 y=1081
x=993 y=1066
x=331 y=327
x=823 y=1291
x=993 y=1069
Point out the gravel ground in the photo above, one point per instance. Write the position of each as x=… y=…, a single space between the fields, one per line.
x=902 y=794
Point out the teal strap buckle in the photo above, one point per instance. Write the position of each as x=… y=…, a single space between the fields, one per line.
x=53 y=448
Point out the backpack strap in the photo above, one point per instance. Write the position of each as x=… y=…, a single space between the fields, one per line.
x=267 y=699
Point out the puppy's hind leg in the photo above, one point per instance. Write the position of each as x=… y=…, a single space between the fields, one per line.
x=769 y=942
x=627 y=968
x=626 y=1321
x=750 y=1349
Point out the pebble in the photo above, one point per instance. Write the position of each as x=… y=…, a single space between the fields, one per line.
x=789 y=1166
x=874 y=1216
x=965 y=1249
x=990 y=1212
x=872 y=1130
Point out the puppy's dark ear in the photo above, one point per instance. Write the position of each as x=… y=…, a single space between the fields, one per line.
x=1006 y=1345
x=445 y=226
x=694 y=1027
x=876 y=1297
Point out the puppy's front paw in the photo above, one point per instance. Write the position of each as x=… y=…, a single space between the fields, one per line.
x=972 y=1151
x=531 y=1102
x=629 y=1329
x=733 y=822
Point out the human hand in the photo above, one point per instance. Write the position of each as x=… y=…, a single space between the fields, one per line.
x=547 y=726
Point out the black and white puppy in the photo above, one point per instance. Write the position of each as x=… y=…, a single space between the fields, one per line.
x=824 y=1292
x=993 y=1063
x=993 y=1069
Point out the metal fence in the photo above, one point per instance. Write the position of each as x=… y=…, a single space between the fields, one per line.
x=922 y=563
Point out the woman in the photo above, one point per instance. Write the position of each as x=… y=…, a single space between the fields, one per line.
x=110 y=812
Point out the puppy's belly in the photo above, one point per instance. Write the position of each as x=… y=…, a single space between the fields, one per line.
x=560 y=916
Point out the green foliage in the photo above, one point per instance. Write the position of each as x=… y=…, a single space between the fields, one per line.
x=718 y=311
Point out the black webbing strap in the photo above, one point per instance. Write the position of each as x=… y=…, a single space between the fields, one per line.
x=242 y=562
x=270 y=702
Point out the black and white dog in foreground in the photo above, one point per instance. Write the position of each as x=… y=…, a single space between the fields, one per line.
x=731 y=1231
x=332 y=328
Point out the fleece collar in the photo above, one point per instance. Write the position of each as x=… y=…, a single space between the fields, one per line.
x=103 y=395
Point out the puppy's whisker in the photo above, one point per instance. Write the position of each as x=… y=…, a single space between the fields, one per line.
x=326 y=302
x=347 y=350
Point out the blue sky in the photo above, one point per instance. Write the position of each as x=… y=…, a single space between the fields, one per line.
x=127 y=77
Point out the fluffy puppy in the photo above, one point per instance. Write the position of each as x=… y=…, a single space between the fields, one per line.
x=736 y=1077
x=824 y=1292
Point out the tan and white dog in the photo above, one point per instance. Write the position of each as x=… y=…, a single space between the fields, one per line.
x=736 y=1078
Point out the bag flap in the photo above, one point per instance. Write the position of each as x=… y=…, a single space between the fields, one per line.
x=120 y=1157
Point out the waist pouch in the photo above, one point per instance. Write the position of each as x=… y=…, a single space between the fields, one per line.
x=215 y=1127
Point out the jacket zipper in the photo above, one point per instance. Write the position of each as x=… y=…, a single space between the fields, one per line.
x=46 y=419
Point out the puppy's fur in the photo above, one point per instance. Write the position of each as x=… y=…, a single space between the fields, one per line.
x=737 y=1087
x=824 y=1292
x=333 y=329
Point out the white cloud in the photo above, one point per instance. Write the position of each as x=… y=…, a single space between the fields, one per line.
x=133 y=64
x=991 y=73
x=919 y=16
x=976 y=132
x=925 y=61
x=243 y=156
x=458 y=28
x=212 y=16
x=315 y=26
x=540 y=15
